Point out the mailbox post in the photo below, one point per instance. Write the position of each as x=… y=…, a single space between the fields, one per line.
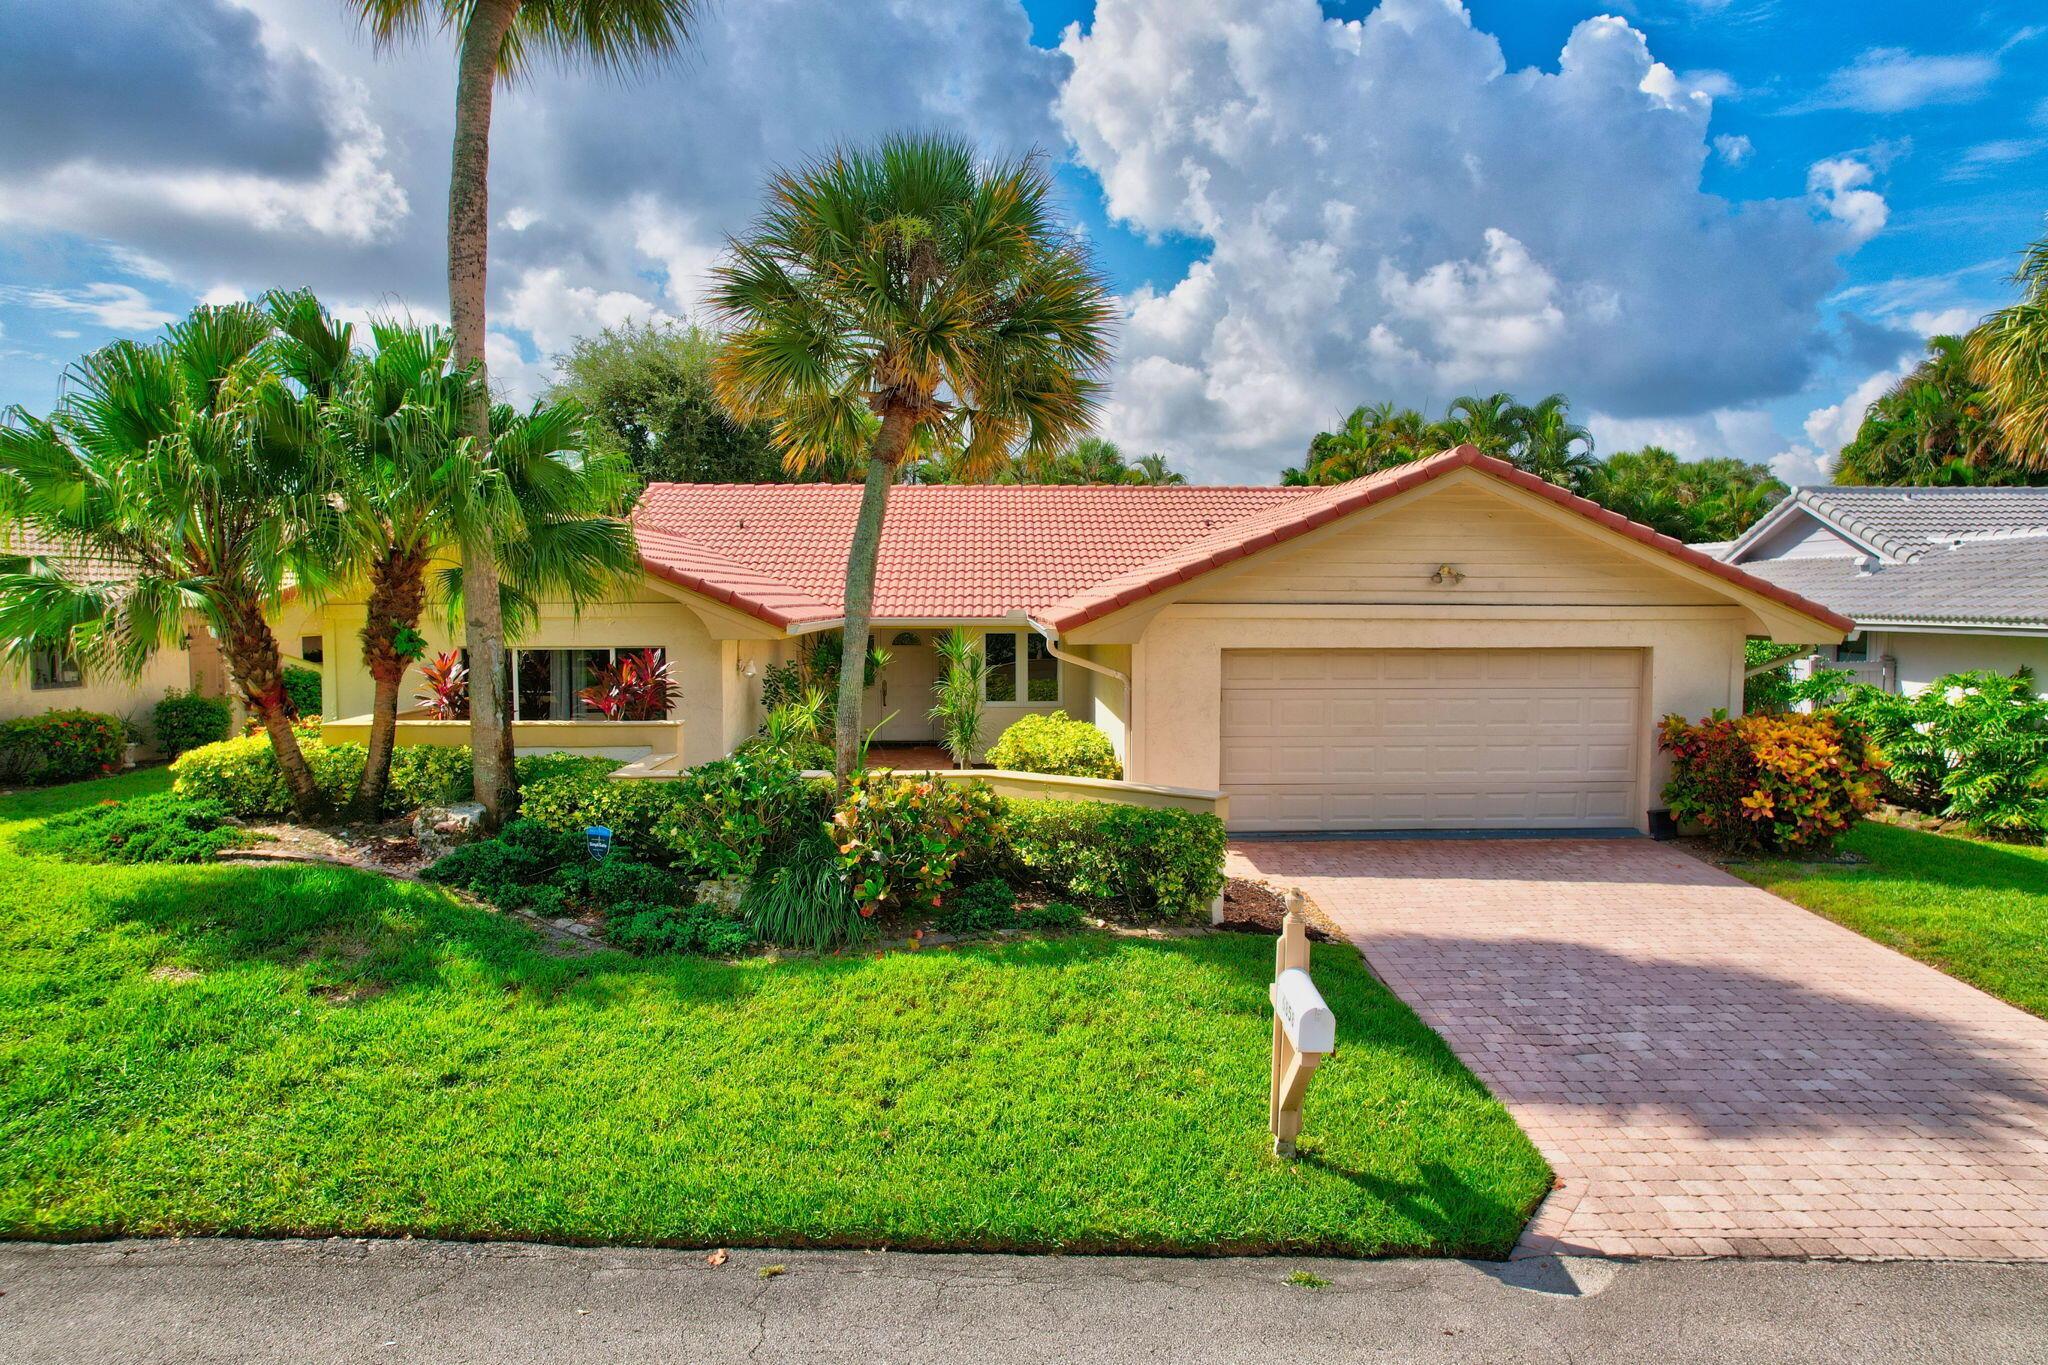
x=1304 y=1030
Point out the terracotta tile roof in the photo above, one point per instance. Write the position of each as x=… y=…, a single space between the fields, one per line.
x=1066 y=554
x=948 y=551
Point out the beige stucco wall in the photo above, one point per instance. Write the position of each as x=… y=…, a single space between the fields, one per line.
x=717 y=705
x=1692 y=665
x=1923 y=657
x=130 y=699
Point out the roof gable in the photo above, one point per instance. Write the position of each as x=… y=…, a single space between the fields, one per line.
x=1902 y=523
x=1066 y=555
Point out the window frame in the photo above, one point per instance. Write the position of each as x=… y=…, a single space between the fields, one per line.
x=558 y=672
x=54 y=668
x=1021 y=661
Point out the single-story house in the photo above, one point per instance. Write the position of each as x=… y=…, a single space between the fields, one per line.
x=1937 y=580
x=1450 y=644
x=52 y=680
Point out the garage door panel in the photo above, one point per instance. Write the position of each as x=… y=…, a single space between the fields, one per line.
x=1396 y=739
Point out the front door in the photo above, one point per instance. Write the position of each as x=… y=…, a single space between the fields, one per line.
x=902 y=696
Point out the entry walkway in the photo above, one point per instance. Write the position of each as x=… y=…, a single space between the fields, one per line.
x=1710 y=1069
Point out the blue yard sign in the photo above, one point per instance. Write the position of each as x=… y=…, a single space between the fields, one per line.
x=598 y=840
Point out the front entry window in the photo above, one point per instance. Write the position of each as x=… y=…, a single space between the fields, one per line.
x=1020 y=658
x=545 y=682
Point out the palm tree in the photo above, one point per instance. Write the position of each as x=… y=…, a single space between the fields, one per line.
x=391 y=423
x=1495 y=424
x=499 y=39
x=1549 y=444
x=1937 y=425
x=1152 y=469
x=1373 y=437
x=162 y=462
x=911 y=284
x=2009 y=355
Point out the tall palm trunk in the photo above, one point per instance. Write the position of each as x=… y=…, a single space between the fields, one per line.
x=398 y=595
x=469 y=240
x=891 y=443
x=258 y=670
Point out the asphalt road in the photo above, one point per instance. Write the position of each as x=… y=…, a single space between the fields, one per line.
x=346 y=1300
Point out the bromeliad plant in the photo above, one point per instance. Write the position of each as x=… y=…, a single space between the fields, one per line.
x=1770 y=783
x=637 y=687
x=899 y=839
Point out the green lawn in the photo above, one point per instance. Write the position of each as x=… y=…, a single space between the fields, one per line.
x=1977 y=911
x=271 y=1050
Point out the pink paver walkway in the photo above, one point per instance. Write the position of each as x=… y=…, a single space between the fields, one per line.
x=1710 y=1069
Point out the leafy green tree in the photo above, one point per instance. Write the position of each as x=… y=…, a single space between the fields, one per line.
x=647 y=388
x=910 y=284
x=390 y=425
x=1693 y=500
x=1541 y=439
x=163 y=460
x=499 y=40
x=2009 y=356
x=1937 y=426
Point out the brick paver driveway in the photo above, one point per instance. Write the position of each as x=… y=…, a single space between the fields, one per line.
x=1710 y=1069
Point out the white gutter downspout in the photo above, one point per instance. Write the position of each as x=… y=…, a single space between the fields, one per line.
x=1052 y=647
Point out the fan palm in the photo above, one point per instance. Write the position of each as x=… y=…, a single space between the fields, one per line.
x=912 y=286
x=162 y=469
x=500 y=39
x=391 y=424
x=1549 y=444
x=2009 y=355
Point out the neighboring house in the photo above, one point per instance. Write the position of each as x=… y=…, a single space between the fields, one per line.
x=1937 y=580
x=1449 y=644
x=52 y=679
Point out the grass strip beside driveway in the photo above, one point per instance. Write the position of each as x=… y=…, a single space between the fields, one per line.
x=1978 y=911
x=310 y=1051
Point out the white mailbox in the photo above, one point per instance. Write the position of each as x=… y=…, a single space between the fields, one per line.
x=1304 y=1030
x=1300 y=1009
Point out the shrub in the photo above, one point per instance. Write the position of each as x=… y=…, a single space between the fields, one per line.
x=186 y=720
x=517 y=869
x=1770 y=783
x=806 y=901
x=62 y=746
x=979 y=906
x=428 y=775
x=899 y=838
x=1970 y=747
x=148 y=829
x=1051 y=915
x=302 y=687
x=698 y=929
x=1167 y=862
x=632 y=811
x=243 y=776
x=1055 y=744
x=728 y=818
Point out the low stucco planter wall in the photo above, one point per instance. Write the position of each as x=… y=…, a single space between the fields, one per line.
x=1007 y=783
x=628 y=740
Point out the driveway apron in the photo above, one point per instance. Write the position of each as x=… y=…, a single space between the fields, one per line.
x=1710 y=1069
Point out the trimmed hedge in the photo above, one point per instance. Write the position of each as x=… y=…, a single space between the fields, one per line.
x=242 y=774
x=62 y=746
x=186 y=720
x=1055 y=744
x=1143 y=861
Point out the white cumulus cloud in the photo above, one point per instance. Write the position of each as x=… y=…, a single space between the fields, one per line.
x=1394 y=213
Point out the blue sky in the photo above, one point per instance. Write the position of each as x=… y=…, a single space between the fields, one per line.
x=1722 y=225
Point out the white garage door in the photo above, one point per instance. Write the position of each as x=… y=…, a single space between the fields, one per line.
x=1430 y=739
